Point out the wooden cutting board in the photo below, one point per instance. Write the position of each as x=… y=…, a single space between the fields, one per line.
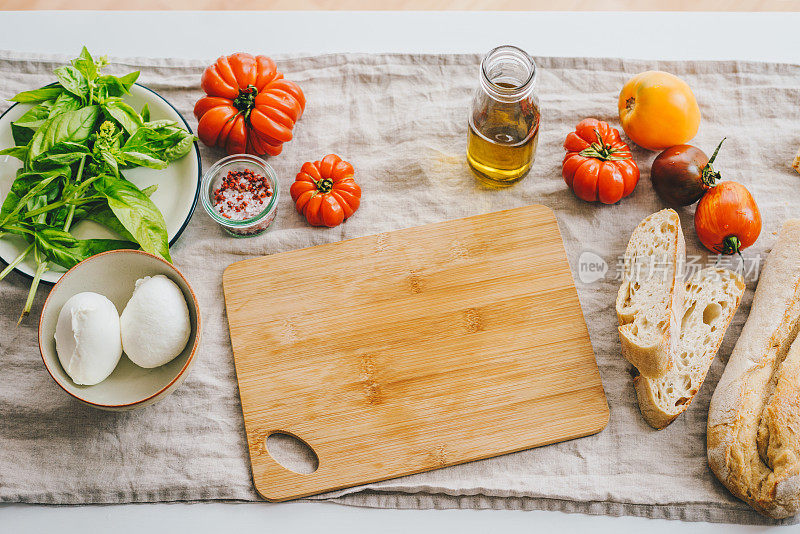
x=412 y=350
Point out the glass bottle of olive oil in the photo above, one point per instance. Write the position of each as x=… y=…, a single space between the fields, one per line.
x=504 y=121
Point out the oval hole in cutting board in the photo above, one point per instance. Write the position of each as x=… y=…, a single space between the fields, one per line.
x=292 y=453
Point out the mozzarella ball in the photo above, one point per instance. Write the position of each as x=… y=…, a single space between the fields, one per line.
x=88 y=339
x=155 y=322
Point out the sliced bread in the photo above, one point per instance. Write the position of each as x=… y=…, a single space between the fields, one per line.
x=711 y=298
x=651 y=294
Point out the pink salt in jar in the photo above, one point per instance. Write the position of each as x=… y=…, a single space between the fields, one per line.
x=240 y=193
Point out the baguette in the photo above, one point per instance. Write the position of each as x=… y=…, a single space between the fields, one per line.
x=652 y=293
x=754 y=418
x=711 y=299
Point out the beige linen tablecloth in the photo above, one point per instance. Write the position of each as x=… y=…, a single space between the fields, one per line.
x=401 y=120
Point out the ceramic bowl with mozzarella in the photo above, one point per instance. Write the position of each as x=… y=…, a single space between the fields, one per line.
x=114 y=275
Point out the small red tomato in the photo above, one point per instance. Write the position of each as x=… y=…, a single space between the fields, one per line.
x=325 y=192
x=727 y=219
x=598 y=164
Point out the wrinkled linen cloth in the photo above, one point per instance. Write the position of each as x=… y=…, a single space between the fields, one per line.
x=402 y=121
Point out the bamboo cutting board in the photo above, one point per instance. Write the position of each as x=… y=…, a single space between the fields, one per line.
x=412 y=350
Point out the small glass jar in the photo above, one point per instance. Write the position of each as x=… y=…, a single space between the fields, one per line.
x=504 y=120
x=240 y=193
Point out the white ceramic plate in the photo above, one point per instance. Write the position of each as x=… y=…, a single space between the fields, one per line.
x=176 y=197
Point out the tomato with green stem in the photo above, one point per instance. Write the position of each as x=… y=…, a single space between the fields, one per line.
x=727 y=219
x=598 y=164
x=249 y=107
x=325 y=191
x=682 y=174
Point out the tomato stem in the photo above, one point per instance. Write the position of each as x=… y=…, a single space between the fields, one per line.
x=731 y=245
x=246 y=100
x=629 y=103
x=708 y=175
x=600 y=150
x=324 y=185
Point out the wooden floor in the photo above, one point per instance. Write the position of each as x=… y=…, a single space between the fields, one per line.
x=500 y=5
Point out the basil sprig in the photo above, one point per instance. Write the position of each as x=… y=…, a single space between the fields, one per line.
x=75 y=142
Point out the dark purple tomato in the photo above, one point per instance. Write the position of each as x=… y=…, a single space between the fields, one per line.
x=682 y=174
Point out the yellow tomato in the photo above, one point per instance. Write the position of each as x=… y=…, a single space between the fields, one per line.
x=658 y=110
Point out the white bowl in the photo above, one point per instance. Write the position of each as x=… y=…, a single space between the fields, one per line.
x=114 y=274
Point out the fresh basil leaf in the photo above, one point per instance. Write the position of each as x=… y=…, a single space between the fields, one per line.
x=143 y=160
x=19 y=228
x=145 y=113
x=89 y=247
x=85 y=64
x=55 y=235
x=20 y=184
x=112 y=86
x=153 y=141
x=110 y=159
x=48 y=92
x=59 y=216
x=19 y=152
x=180 y=149
x=156 y=143
x=38 y=202
x=124 y=114
x=161 y=123
x=12 y=201
x=22 y=136
x=27 y=186
x=102 y=214
x=74 y=126
x=148 y=191
x=70 y=254
x=24 y=127
x=137 y=213
x=60 y=154
x=51 y=250
x=36 y=116
x=65 y=102
x=73 y=81
x=128 y=80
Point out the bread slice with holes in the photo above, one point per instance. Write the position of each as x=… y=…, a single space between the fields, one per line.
x=651 y=294
x=711 y=298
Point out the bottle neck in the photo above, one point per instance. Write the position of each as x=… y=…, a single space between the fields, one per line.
x=508 y=74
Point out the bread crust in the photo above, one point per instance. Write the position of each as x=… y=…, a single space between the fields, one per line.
x=648 y=405
x=754 y=418
x=653 y=360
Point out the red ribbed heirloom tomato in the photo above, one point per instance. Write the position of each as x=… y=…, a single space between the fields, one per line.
x=325 y=192
x=598 y=164
x=249 y=107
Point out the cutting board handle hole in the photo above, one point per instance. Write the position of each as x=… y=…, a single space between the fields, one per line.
x=292 y=453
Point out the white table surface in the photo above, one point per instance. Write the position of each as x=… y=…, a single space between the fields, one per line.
x=206 y=35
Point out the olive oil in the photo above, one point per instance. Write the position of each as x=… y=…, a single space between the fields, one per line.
x=502 y=151
x=504 y=122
